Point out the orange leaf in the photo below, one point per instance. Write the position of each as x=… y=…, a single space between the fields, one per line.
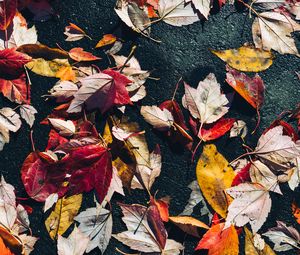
x=66 y=73
x=220 y=242
x=9 y=244
x=3 y=249
x=151 y=12
x=78 y=54
x=163 y=207
x=106 y=40
x=296 y=212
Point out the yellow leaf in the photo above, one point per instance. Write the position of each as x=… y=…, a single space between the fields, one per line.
x=125 y=171
x=61 y=218
x=107 y=135
x=47 y=68
x=106 y=40
x=250 y=248
x=246 y=58
x=188 y=224
x=66 y=73
x=214 y=175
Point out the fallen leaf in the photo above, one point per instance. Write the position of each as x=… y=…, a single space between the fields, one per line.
x=8 y=9
x=106 y=40
x=50 y=201
x=75 y=244
x=188 y=224
x=78 y=54
x=206 y=103
x=218 y=129
x=63 y=215
x=27 y=112
x=272 y=30
x=96 y=224
x=203 y=6
x=66 y=73
x=246 y=59
x=63 y=90
x=219 y=241
x=214 y=175
x=177 y=13
x=239 y=128
x=251 y=204
x=74 y=33
x=65 y=128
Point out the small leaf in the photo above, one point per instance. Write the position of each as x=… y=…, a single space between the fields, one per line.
x=106 y=40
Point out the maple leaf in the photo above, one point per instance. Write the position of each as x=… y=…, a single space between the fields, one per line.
x=142 y=235
x=219 y=241
x=102 y=91
x=63 y=91
x=272 y=30
x=27 y=112
x=12 y=62
x=75 y=244
x=16 y=90
x=206 y=103
x=251 y=204
x=8 y=9
x=176 y=12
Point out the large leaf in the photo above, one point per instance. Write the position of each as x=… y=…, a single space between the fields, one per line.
x=8 y=9
x=63 y=215
x=214 y=175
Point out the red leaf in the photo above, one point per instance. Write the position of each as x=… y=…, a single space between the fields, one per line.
x=251 y=89
x=87 y=129
x=287 y=129
x=8 y=9
x=217 y=130
x=90 y=168
x=16 y=90
x=41 y=178
x=54 y=140
x=242 y=176
x=163 y=208
x=78 y=54
x=12 y=62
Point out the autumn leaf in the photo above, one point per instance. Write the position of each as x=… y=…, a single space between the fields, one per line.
x=202 y=6
x=65 y=73
x=42 y=51
x=251 y=204
x=106 y=40
x=219 y=241
x=8 y=9
x=3 y=249
x=206 y=103
x=251 y=249
x=246 y=58
x=177 y=13
x=272 y=30
x=214 y=175
x=218 y=129
x=63 y=91
x=65 y=127
x=27 y=112
x=296 y=212
x=78 y=54
x=74 y=33
x=63 y=215
x=188 y=224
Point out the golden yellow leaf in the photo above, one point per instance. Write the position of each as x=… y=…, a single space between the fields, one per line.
x=63 y=214
x=107 y=135
x=250 y=248
x=188 y=224
x=214 y=175
x=66 y=73
x=246 y=58
x=47 y=68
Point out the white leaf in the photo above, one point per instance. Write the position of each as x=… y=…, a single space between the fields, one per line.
x=239 y=128
x=91 y=86
x=196 y=197
x=75 y=244
x=4 y=137
x=28 y=243
x=65 y=127
x=27 y=113
x=96 y=224
x=251 y=204
x=63 y=90
x=8 y=214
x=261 y=174
x=203 y=6
x=276 y=150
x=176 y=12
x=159 y=119
x=206 y=103
x=7 y=192
x=9 y=119
x=285 y=238
x=120 y=133
x=22 y=219
x=50 y=201
x=20 y=34
x=272 y=30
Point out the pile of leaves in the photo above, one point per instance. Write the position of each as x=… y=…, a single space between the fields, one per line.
x=82 y=156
